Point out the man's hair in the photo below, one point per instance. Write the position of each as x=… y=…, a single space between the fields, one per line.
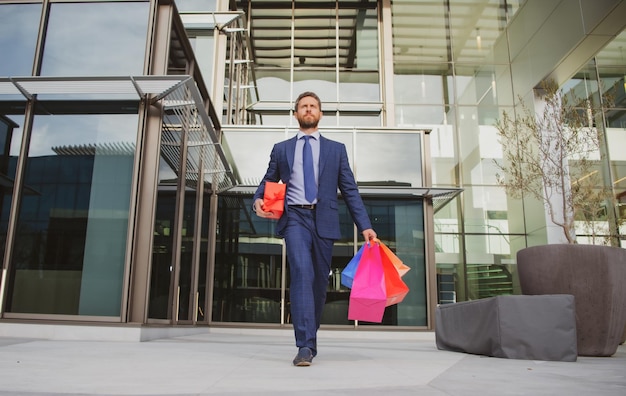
x=304 y=95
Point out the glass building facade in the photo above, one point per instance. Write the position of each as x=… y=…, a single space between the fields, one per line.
x=134 y=134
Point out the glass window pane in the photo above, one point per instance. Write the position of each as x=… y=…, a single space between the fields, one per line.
x=161 y=271
x=358 y=37
x=203 y=47
x=481 y=43
x=483 y=85
x=489 y=273
x=248 y=265
x=95 y=39
x=359 y=87
x=399 y=225
x=419 y=115
x=10 y=142
x=348 y=119
x=479 y=143
x=252 y=154
x=19 y=26
x=186 y=298
x=70 y=242
x=419 y=88
x=315 y=44
x=323 y=83
x=424 y=24
x=196 y=5
x=443 y=159
x=388 y=158
x=273 y=85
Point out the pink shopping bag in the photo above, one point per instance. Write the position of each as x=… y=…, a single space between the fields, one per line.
x=368 y=296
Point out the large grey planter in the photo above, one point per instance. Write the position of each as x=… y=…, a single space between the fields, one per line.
x=595 y=276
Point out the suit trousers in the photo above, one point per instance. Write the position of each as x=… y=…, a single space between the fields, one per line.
x=309 y=259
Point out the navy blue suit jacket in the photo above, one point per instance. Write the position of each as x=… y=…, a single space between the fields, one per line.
x=334 y=172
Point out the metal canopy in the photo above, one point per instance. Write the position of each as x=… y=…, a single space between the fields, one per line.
x=184 y=115
x=91 y=86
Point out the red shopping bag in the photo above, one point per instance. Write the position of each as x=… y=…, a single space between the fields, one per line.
x=394 y=269
x=274 y=199
x=368 y=296
x=395 y=287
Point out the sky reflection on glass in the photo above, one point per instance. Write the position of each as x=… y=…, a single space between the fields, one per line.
x=76 y=130
x=88 y=39
x=19 y=24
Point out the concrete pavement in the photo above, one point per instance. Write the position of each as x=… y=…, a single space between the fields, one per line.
x=224 y=361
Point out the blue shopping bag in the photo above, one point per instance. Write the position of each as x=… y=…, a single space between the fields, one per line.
x=347 y=275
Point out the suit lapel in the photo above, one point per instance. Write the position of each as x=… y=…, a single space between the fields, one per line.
x=291 y=149
x=323 y=154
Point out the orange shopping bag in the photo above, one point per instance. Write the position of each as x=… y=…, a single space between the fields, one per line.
x=395 y=287
x=274 y=199
x=395 y=260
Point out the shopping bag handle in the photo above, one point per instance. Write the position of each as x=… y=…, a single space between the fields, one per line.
x=373 y=240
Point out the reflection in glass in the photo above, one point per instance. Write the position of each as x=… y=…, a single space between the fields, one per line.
x=273 y=85
x=10 y=142
x=70 y=244
x=359 y=87
x=481 y=44
x=203 y=272
x=488 y=273
x=443 y=159
x=203 y=47
x=19 y=26
x=323 y=83
x=253 y=148
x=448 y=254
x=186 y=296
x=186 y=300
x=85 y=39
x=484 y=85
x=389 y=159
x=420 y=116
x=419 y=88
x=349 y=119
x=196 y=5
x=248 y=265
x=161 y=272
x=325 y=47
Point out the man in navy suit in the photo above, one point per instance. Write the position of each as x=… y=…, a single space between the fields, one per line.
x=311 y=225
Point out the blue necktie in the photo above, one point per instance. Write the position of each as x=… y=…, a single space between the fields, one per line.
x=310 y=188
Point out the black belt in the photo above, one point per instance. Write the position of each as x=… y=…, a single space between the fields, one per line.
x=309 y=206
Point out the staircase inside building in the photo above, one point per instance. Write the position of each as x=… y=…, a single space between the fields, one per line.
x=489 y=280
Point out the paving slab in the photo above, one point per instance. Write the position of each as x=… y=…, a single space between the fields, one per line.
x=258 y=362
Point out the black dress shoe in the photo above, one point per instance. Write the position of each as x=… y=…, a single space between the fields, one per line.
x=303 y=358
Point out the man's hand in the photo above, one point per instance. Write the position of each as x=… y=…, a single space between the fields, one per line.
x=258 y=209
x=369 y=234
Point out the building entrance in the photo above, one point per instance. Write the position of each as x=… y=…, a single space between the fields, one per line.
x=252 y=272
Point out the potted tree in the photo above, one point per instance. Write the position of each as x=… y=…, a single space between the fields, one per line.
x=553 y=157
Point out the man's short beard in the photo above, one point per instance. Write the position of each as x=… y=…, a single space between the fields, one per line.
x=308 y=125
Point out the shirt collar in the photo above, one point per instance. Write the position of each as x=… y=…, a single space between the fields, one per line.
x=316 y=135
